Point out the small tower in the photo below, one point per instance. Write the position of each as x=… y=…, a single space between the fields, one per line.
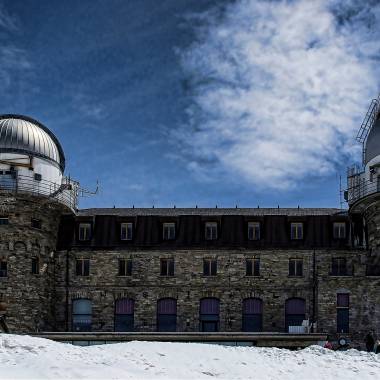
x=34 y=193
x=363 y=194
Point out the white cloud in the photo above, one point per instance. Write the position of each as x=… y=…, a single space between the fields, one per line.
x=279 y=89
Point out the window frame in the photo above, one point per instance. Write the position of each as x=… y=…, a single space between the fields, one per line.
x=3 y=272
x=339 y=272
x=254 y=267
x=294 y=227
x=167 y=267
x=338 y=225
x=35 y=265
x=212 y=226
x=128 y=267
x=128 y=231
x=256 y=228
x=296 y=261
x=81 y=227
x=84 y=271
x=212 y=267
x=166 y=227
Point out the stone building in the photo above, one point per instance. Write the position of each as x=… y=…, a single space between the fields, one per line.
x=185 y=270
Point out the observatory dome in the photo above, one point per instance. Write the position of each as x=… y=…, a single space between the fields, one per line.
x=21 y=134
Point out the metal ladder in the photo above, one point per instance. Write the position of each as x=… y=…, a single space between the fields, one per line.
x=368 y=122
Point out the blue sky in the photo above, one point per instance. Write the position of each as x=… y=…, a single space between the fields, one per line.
x=185 y=102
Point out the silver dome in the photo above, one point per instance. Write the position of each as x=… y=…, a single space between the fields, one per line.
x=21 y=134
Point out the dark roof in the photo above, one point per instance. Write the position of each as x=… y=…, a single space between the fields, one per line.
x=210 y=211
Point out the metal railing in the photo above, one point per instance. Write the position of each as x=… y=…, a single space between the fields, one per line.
x=65 y=193
x=361 y=189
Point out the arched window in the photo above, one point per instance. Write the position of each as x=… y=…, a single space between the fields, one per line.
x=167 y=314
x=82 y=314
x=294 y=312
x=342 y=312
x=124 y=314
x=209 y=314
x=252 y=314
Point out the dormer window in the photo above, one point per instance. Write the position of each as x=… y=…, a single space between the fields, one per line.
x=253 y=231
x=126 y=231
x=211 y=231
x=168 y=231
x=84 y=231
x=339 y=230
x=296 y=231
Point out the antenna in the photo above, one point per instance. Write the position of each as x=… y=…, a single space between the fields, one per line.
x=86 y=193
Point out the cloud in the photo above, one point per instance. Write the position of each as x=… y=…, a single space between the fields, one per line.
x=14 y=61
x=278 y=89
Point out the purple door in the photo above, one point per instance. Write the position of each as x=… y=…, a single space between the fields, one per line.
x=167 y=314
x=252 y=314
x=294 y=312
x=124 y=314
x=209 y=314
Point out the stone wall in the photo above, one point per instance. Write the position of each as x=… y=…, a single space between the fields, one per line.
x=231 y=286
x=26 y=298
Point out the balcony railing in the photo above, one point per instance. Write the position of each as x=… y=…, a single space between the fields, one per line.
x=361 y=189
x=65 y=193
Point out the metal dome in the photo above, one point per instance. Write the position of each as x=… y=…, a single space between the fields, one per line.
x=372 y=144
x=21 y=134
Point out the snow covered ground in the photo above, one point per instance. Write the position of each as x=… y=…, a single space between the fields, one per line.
x=24 y=357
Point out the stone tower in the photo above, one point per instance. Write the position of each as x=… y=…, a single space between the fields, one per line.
x=33 y=195
x=363 y=194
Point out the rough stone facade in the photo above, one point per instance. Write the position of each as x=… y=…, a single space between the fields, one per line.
x=43 y=301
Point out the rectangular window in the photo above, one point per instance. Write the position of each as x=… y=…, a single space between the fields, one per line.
x=84 y=231
x=296 y=231
x=209 y=267
x=343 y=313
x=168 y=231
x=125 y=267
x=35 y=265
x=295 y=267
x=167 y=267
x=211 y=232
x=252 y=267
x=126 y=231
x=36 y=223
x=339 y=230
x=83 y=267
x=37 y=177
x=3 y=268
x=253 y=231
x=4 y=221
x=339 y=267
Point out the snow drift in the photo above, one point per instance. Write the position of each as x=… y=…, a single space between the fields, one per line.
x=24 y=357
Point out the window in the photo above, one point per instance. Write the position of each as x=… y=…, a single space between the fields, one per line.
x=124 y=314
x=36 y=223
x=82 y=315
x=84 y=231
x=252 y=314
x=209 y=267
x=339 y=230
x=342 y=312
x=3 y=268
x=253 y=231
x=126 y=231
x=294 y=312
x=211 y=232
x=339 y=267
x=82 y=267
x=209 y=315
x=295 y=267
x=35 y=265
x=252 y=267
x=167 y=267
x=37 y=176
x=168 y=231
x=4 y=221
x=125 y=267
x=167 y=314
x=296 y=231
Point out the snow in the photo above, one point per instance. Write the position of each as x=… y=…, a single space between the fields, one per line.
x=25 y=357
